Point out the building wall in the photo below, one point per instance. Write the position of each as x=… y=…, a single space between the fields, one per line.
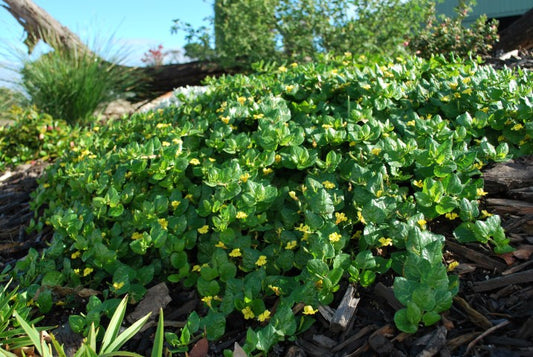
x=492 y=8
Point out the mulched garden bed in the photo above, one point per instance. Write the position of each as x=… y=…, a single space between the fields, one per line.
x=491 y=316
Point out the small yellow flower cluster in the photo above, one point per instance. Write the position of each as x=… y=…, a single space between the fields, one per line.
x=262 y=260
x=163 y=223
x=175 y=204
x=118 y=286
x=328 y=184
x=267 y=171
x=385 y=241
x=422 y=223
x=308 y=310
x=291 y=245
x=282 y=69
x=162 y=125
x=136 y=235
x=209 y=299
x=411 y=123
x=221 y=245
x=451 y=215
x=452 y=265
x=258 y=116
x=292 y=194
x=75 y=255
x=235 y=253
x=194 y=161
x=376 y=151
x=275 y=289
x=517 y=127
x=225 y=119
x=485 y=214
x=86 y=271
x=204 y=229
x=241 y=215
x=334 y=237
x=340 y=217
x=241 y=100
x=480 y=192
x=265 y=315
x=360 y=217
x=289 y=88
x=248 y=313
x=244 y=177
x=418 y=183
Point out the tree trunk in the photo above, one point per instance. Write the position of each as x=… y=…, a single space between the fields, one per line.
x=519 y=35
x=39 y=25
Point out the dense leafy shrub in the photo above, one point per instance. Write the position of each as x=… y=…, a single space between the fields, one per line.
x=31 y=136
x=8 y=99
x=450 y=35
x=270 y=190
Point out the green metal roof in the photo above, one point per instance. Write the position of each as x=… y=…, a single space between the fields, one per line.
x=491 y=8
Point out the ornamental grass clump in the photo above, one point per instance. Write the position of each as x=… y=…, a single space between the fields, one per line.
x=269 y=191
x=74 y=84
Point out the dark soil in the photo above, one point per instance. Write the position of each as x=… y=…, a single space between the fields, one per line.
x=491 y=316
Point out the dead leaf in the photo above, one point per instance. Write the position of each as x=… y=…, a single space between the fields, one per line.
x=200 y=349
x=156 y=298
x=523 y=251
x=508 y=257
x=238 y=351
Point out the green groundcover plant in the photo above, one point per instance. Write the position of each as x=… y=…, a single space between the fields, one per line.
x=268 y=191
x=33 y=135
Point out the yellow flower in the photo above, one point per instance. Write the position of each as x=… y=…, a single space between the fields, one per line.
x=264 y=316
x=366 y=86
x=328 y=184
x=340 y=217
x=225 y=120
x=485 y=213
x=194 y=161
x=267 y=170
x=245 y=177
x=162 y=125
x=87 y=271
x=262 y=260
x=291 y=245
x=411 y=123
x=445 y=99
x=282 y=69
x=452 y=265
x=235 y=253
x=163 y=223
x=467 y=91
x=422 y=223
x=361 y=218
x=292 y=194
x=308 y=310
x=517 y=127
x=175 y=204
x=204 y=229
x=334 y=237
x=275 y=289
x=196 y=268
x=258 y=116
x=75 y=255
x=289 y=88
x=221 y=245
x=327 y=126
x=376 y=151
x=466 y=80
x=241 y=100
x=451 y=215
x=207 y=300
x=165 y=143
x=478 y=165
x=248 y=313
x=294 y=64
x=385 y=241
x=46 y=185
x=136 y=235
x=418 y=183
x=118 y=286
x=453 y=85
x=480 y=192
x=241 y=215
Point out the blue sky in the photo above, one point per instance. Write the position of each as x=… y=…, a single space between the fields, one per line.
x=134 y=25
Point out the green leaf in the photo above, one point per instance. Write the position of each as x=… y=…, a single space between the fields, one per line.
x=214 y=324
x=430 y=318
x=403 y=323
x=157 y=349
x=423 y=296
x=414 y=314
